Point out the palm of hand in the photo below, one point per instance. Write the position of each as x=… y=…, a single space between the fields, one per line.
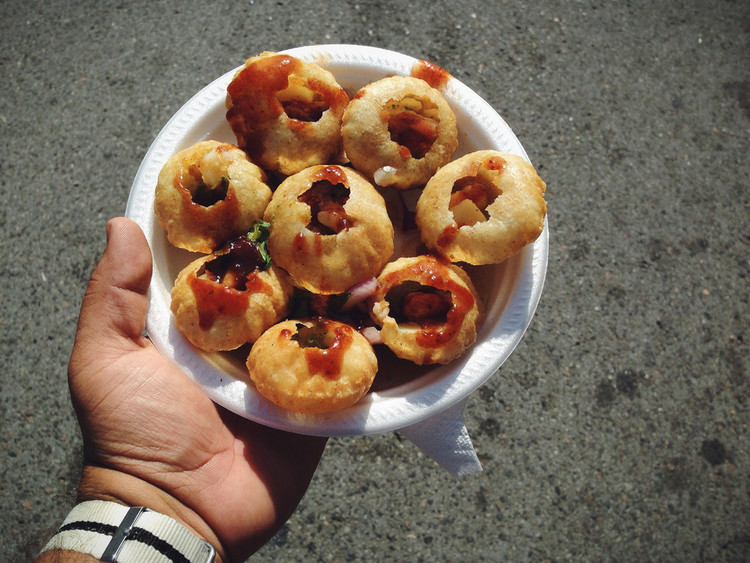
x=141 y=415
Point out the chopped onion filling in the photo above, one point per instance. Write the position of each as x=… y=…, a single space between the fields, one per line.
x=358 y=293
x=372 y=335
x=384 y=176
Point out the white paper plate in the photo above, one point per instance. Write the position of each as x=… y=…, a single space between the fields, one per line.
x=513 y=288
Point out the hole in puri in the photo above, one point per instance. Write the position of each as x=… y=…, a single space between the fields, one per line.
x=315 y=336
x=470 y=197
x=326 y=201
x=203 y=191
x=412 y=302
x=413 y=125
x=300 y=102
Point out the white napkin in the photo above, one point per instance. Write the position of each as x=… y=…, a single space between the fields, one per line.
x=445 y=439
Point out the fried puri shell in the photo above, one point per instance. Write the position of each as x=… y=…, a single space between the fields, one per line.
x=427 y=309
x=482 y=208
x=330 y=229
x=223 y=311
x=312 y=366
x=207 y=194
x=398 y=131
x=286 y=113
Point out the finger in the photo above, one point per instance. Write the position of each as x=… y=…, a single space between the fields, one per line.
x=113 y=311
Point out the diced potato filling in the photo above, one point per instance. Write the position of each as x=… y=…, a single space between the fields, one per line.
x=205 y=189
x=213 y=167
x=467 y=212
x=300 y=102
x=471 y=196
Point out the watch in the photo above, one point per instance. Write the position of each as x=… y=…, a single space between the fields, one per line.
x=113 y=532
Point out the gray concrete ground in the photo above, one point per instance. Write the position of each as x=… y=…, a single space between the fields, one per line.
x=618 y=430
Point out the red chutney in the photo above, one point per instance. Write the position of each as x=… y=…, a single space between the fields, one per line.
x=253 y=89
x=299 y=244
x=431 y=271
x=222 y=286
x=255 y=106
x=213 y=300
x=256 y=285
x=448 y=234
x=185 y=179
x=328 y=361
x=435 y=76
x=474 y=189
x=480 y=190
x=495 y=163
x=330 y=96
x=332 y=174
x=285 y=335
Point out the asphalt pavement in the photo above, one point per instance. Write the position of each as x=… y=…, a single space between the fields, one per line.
x=619 y=427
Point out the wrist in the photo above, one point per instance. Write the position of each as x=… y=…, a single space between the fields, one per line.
x=101 y=483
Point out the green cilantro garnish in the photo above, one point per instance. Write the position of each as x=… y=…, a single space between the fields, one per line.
x=315 y=336
x=259 y=235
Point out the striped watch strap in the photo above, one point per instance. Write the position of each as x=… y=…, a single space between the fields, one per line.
x=113 y=532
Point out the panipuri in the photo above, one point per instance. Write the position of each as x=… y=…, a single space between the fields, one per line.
x=312 y=366
x=207 y=194
x=427 y=309
x=398 y=131
x=286 y=113
x=230 y=297
x=330 y=229
x=482 y=208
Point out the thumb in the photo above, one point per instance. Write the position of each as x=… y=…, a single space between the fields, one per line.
x=113 y=311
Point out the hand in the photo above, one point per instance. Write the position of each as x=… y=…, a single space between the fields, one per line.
x=152 y=438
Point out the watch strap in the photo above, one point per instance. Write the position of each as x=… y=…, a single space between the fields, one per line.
x=113 y=532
